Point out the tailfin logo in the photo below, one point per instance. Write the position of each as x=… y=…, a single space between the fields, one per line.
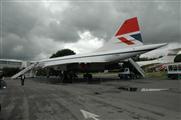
x=129 y=32
x=124 y=40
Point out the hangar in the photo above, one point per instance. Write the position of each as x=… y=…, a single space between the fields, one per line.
x=12 y=63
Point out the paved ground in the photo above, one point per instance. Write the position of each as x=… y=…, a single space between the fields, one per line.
x=40 y=100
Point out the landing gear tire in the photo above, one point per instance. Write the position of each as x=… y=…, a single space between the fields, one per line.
x=61 y=76
x=68 y=77
x=87 y=76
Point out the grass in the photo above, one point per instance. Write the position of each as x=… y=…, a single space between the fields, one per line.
x=158 y=75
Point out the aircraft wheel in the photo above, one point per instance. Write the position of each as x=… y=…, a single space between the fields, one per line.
x=87 y=76
x=67 y=77
x=61 y=77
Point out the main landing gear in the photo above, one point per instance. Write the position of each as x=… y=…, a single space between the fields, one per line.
x=68 y=76
x=87 y=76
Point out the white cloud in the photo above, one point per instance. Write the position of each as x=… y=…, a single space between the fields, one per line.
x=40 y=56
x=46 y=26
x=46 y=47
x=87 y=43
x=55 y=6
x=18 y=48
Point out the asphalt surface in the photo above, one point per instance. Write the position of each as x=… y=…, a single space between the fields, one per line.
x=39 y=99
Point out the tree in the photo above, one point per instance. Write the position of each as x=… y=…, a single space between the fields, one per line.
x=177 y=58
x=10 y=71
x=63 y=52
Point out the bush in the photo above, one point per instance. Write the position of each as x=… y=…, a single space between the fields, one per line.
x=8 y=72
x=177 y=58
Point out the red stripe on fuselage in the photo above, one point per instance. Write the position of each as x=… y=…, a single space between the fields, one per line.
x=124 y=40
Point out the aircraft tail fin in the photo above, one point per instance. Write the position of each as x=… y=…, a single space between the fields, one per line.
x=129 y=31
x=128 y=35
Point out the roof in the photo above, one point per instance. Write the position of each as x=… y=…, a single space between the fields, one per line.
x=11 y=60
x=177 y=63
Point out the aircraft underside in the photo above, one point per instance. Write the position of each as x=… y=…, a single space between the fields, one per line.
x=69 y=72
x=88 y=67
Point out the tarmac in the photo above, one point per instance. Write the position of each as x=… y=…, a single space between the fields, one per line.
x=43 y=99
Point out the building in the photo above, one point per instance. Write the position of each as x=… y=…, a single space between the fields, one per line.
x=12 y=66
x=12 y=63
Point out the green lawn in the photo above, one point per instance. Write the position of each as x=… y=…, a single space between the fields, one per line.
x=159 y=75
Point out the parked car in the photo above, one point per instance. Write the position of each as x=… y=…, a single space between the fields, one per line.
x=3 y=84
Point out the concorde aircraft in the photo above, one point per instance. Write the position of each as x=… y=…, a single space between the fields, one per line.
x=126 y=43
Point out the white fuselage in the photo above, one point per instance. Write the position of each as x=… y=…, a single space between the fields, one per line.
x=102 y=56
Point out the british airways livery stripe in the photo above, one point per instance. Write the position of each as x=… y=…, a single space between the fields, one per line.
x=130 y=25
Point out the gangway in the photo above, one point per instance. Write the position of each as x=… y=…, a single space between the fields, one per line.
x=24 y=71
x=130 y=70
x=137 y=67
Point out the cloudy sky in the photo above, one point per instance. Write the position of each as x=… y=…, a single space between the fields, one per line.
x=32 y=29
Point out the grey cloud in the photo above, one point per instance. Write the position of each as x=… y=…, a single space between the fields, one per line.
x=159 y=21
x=24 y=23
x=18 y=18
x=58 y=32
x=94 y=17
x=10 y=47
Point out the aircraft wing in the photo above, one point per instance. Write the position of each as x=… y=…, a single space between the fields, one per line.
x=69 y=60
x=86 y=58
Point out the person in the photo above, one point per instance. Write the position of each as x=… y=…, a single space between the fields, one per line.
x=22 y=80
x=1 y=76
x=3 y=84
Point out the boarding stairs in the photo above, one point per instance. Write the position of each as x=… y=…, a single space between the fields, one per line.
x=30 y=67
x=137 y=67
